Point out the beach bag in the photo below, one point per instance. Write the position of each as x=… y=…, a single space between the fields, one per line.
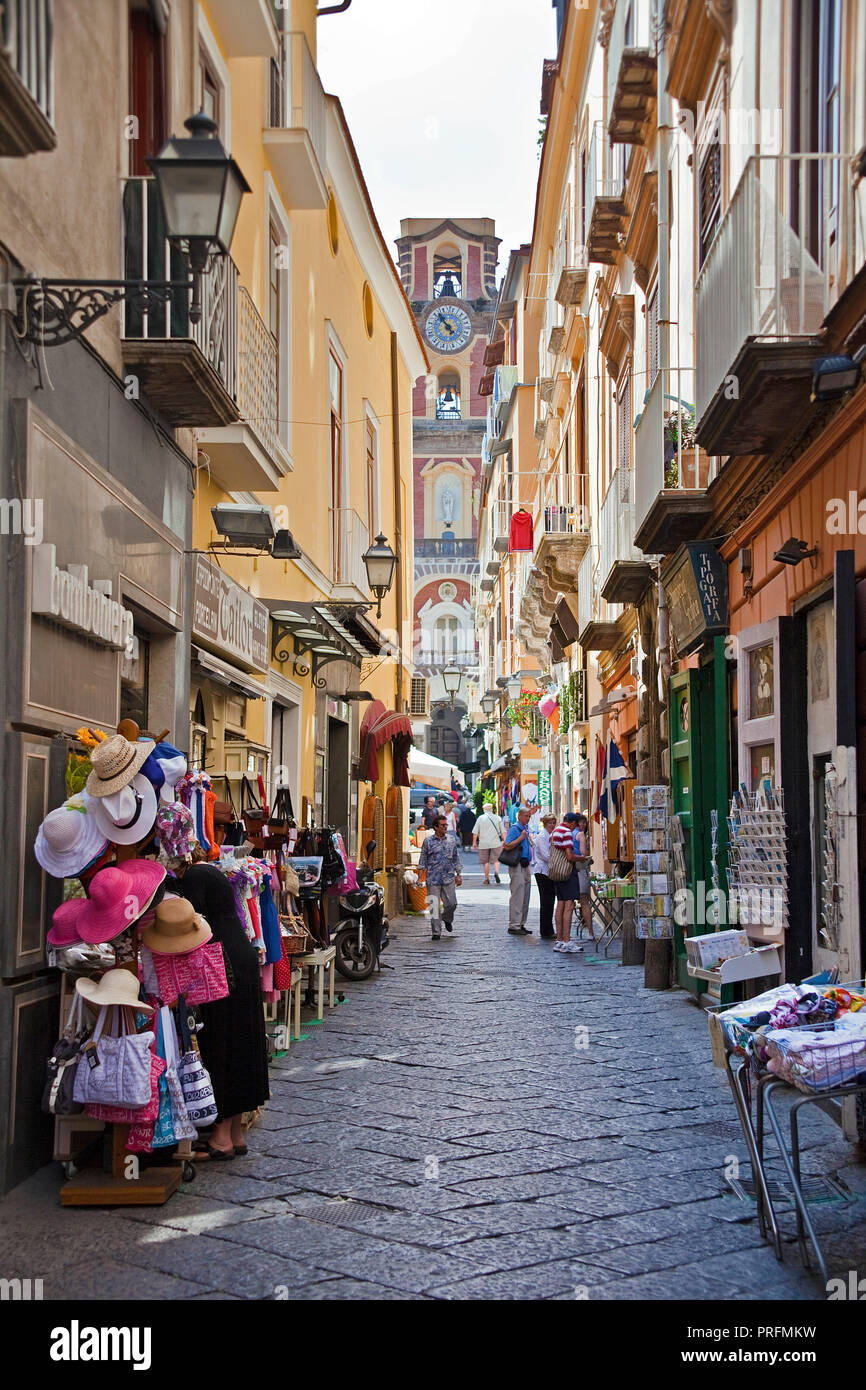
x=114 y=1070
x=194 y=1078
x=199 y=975
x=129 y=1114
x=58 y=1098
x=559 y=866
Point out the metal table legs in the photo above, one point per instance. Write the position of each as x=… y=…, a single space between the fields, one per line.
x=738 y=1076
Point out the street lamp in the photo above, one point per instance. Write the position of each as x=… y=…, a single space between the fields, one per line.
x=514 y=688
x=379 y=562
x=452 y=677
x=489 y=703
x=200 y=191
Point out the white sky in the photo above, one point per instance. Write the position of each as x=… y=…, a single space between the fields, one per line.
x=442 y=99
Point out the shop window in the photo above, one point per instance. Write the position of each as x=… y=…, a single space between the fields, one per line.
x=447 y=273
x=135 y=680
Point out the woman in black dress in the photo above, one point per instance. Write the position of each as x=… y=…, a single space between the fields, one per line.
x=232 y=1041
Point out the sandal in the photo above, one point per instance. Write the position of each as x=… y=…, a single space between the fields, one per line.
x=217 y=1155
x=241 y=1150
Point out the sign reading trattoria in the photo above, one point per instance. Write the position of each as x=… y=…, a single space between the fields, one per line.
x=696 y=585
x=227 y=617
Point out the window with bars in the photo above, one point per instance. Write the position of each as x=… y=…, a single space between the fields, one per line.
x=709 y=197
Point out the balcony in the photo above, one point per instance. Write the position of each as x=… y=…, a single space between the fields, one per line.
x=247 y=456
x=787 y=242
x=245 y=31
x=438 y=656
x=596 y=619
x=349 y=539
x=624 y=571
x=605 y=198
x=463 y=549
x=560 y=528
x=295 y=141
x=26 y=77
x=631 y=72
x=671 y=473
x=188 y=371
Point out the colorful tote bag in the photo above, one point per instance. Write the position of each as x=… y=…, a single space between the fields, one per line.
x=194 y=1078
x=180 y=1121
x=114 y=1070
x=200 y=975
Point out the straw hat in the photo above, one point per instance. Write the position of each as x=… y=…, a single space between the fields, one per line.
x=127 y=816
x=115 y=762
x=117 y=986
x=118 y=897
x=69 y=838
x=177 y=928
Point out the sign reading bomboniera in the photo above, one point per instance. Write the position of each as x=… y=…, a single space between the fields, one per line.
x=228 y=618
x=68 y=598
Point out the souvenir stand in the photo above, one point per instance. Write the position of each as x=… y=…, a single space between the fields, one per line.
x=97 y=840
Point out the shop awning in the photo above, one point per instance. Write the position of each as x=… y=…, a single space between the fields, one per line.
x=435 y=772
x=225 y=674
x=378 y=727
x=500 y=763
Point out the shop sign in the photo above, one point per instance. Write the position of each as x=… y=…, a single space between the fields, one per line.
x=228 y=617
x=545 y=790
x=696 y=586
x=68 y=597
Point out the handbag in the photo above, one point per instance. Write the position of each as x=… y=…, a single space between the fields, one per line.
x=199 y=975
x=512 y=855
x=181 y=1124
x=195 y=1081
x=282 y=816
x=291 y=882
x=58 y=1098
x=559 y=866
x=252 y=812
x=130 y=1114
x=114 y=1070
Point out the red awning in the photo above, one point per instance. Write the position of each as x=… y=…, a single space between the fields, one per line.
x=379 y=725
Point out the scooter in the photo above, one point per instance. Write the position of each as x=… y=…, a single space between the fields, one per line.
x=362 y=932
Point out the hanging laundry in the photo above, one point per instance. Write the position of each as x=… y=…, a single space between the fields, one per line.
x=520 y=531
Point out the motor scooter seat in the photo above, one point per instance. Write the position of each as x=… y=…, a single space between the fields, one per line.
x=356 y=897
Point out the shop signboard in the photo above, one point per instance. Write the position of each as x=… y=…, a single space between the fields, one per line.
x=545 y=791
x=696 y=585
x=227 y=618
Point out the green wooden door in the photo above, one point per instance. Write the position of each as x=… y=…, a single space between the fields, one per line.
x=685 y=742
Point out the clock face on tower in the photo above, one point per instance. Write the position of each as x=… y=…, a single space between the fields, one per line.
x=448 y=329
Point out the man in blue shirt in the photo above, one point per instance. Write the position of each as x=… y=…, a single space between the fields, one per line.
x=440 y=860
x=519 y=874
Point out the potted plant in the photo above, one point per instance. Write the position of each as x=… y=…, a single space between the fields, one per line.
x=679 y=434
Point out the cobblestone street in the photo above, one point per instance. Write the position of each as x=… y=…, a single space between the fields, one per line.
x=441 y=1136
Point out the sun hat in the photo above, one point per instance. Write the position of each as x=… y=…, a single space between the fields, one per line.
x=115 y=762
x=63 y=930
x=176 y=928
x=151 y=768
x=126 y=816
x=118 y=986
x=69 y=838
x=175 y=829
x=173 y=766
x=118 y=897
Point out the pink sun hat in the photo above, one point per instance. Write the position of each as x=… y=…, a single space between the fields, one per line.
x=118 y=897
x=64 y=930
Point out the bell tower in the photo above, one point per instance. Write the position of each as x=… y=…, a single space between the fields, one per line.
x=448 y=269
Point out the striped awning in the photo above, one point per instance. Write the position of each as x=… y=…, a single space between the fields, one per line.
x=378 y=727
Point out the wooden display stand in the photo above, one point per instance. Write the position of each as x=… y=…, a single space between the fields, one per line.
x=94 y=1188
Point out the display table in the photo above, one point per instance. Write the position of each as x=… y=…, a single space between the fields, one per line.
x=320 y=960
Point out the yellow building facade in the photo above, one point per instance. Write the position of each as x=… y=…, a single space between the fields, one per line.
x=287 y=655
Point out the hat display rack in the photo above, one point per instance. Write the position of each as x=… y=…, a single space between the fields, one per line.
x=103 y=835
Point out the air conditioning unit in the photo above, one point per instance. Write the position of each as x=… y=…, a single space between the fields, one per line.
x=419 y=698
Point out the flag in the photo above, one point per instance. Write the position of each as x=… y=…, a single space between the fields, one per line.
x=599 y=778
x=610 y=801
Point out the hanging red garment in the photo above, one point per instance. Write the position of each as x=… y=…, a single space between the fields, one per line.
x=520 y=531
x=599 y=779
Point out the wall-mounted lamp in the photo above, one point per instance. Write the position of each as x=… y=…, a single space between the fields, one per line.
x=452 y=677
x=794 y=550
x=379 y=562
x=833 y=377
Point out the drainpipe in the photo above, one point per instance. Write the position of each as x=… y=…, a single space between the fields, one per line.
x=664 y=216
x=398 y=525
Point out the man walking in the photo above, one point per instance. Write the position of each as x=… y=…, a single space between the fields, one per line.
x=429 y=813
x=487 y=839
x=440 y=860
x=519 y=874
x=546 y=885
